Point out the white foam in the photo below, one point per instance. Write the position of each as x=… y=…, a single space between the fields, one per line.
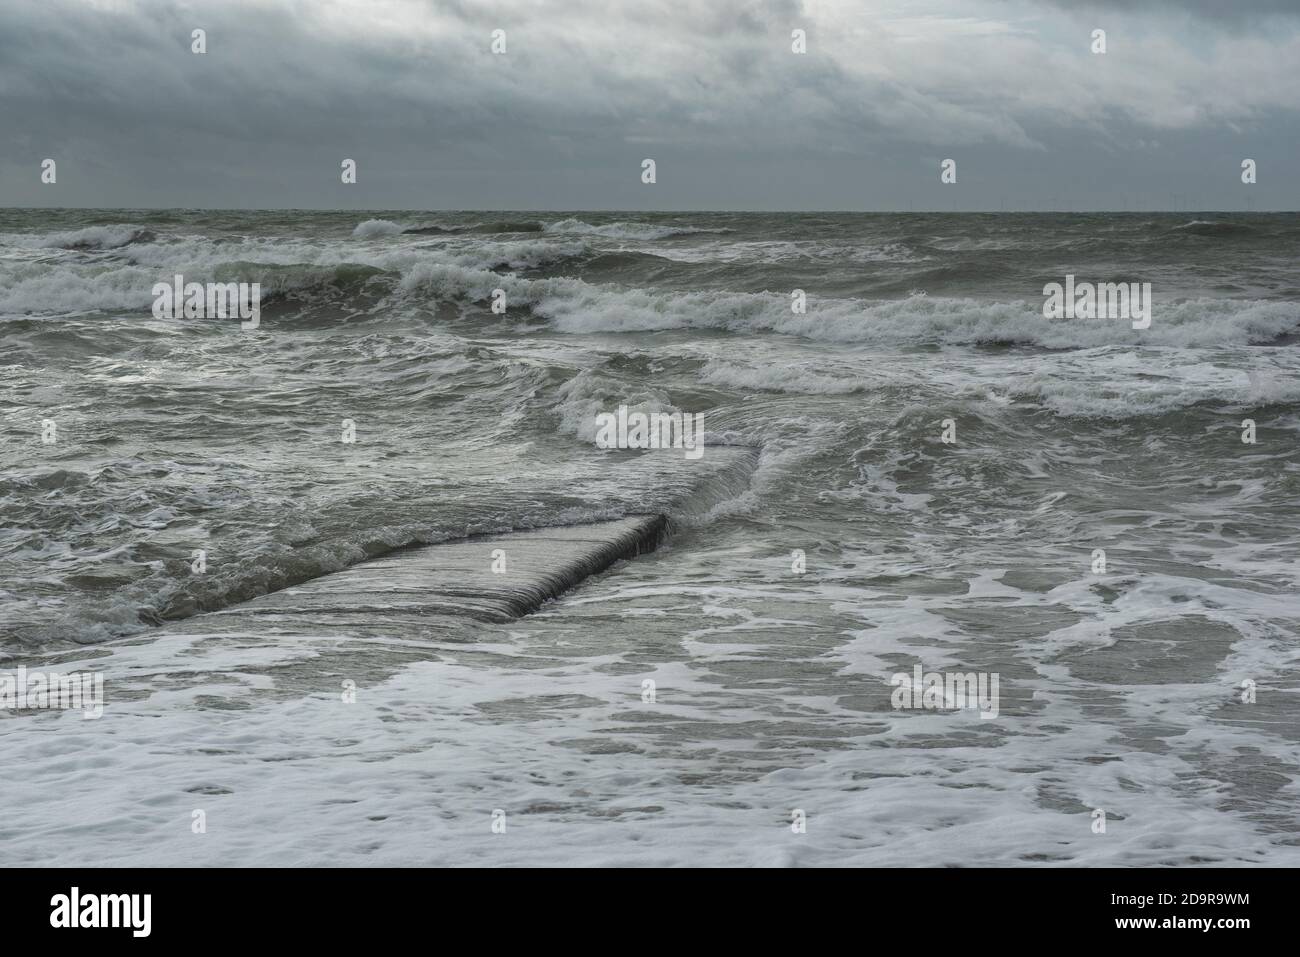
x=633 y=231
x=536 y=721
x=376 y=227
x=1118 y=383
x=94 y=237
x=801 y=378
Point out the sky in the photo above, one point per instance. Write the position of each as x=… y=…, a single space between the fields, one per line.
x=711 y=90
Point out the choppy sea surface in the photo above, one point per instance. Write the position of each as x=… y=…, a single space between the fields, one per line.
x=1121 y=689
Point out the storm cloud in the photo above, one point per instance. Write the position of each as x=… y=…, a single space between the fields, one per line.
x=710 y=90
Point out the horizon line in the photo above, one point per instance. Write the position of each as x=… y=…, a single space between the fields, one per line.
x=428 y=209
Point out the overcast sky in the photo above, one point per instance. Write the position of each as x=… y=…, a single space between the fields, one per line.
x=710 y=90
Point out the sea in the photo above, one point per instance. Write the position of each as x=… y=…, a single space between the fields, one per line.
x=1104 y=518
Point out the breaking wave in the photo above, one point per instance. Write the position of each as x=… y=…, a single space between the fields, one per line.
x=100 y=237
x=1218 y=227
x=643 y=232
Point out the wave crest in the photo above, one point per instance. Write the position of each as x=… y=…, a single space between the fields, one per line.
x=643 y=232
x=376 y=227
x=100 y=237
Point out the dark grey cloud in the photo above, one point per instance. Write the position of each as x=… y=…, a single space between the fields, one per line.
x=587 y=89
